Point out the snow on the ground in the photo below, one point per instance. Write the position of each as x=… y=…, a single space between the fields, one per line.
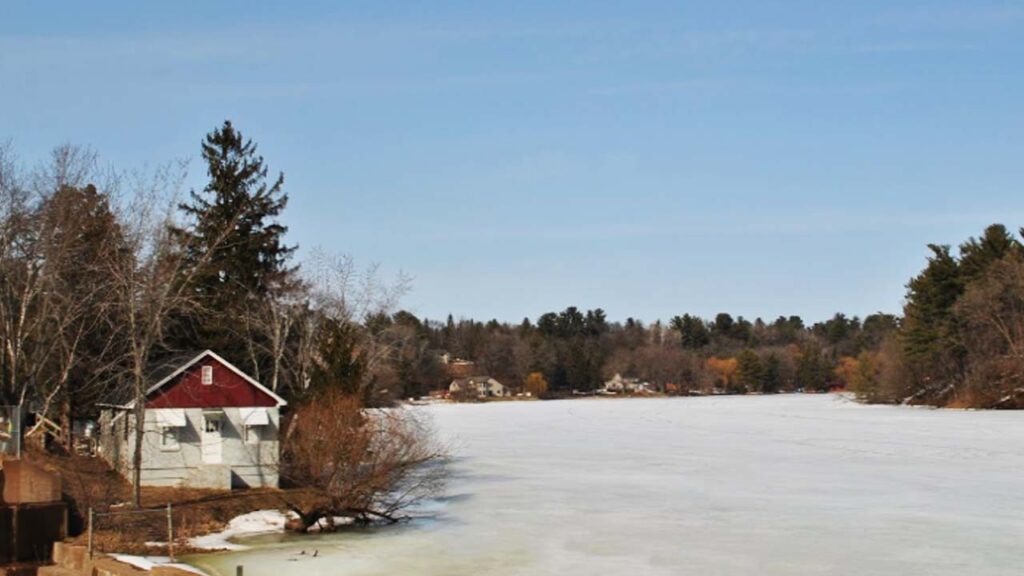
x=253 y=523
x=337 y=521
x=727 y=486
x=149 y=562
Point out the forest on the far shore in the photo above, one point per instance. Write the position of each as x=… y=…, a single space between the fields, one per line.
x=959 y=342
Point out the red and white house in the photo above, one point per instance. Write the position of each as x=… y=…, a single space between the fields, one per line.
x=207 y=425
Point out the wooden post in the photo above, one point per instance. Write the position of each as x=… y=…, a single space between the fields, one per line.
x=89 y=545
x=238 y=571
x=14 y=533
x=16 y=419
x=170 y=533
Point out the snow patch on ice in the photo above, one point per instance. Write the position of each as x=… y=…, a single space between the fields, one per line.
x=258 y=522
x=149 y=562
x=322 y=524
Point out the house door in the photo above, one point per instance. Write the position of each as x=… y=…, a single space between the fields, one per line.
x=213 y=442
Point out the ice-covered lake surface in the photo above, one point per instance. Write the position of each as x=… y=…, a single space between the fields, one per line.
x=703 y=486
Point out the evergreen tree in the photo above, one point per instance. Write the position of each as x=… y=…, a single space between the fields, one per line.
x=571 y=322
x=749 y=370
x=723 y=324
x=237 y=234
x=80 y=237
x=634 y=334
x=448 y=336
x=837 y=328
x=787 y=330
x=741 y=329
x=874 y=329
x=812 y=371
x=595 y=323
x=977 y=254
x=929 y=332
x=548 y=324
x=693 y=332
x=339 y=366
x=771 y=378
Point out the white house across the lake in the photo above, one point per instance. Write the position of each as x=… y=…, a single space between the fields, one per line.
x=619 y=384
x=482 y=386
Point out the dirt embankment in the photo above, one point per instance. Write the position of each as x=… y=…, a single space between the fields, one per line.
x=90 y=483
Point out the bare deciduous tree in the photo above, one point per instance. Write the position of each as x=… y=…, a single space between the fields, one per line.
x=20 y=272
x=273 y=327
x=150 y=283
x=342 y=293
x=358 y=463
x=53 y=232
x=993 y=313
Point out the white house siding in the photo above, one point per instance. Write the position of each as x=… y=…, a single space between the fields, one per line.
x=242 y=464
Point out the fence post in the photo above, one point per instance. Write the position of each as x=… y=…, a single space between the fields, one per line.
x=89 y=545
x=170 y=533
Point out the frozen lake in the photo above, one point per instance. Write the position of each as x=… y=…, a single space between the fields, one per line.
x=703 y=486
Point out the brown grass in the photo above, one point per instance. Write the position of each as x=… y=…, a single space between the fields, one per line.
x=90 y=483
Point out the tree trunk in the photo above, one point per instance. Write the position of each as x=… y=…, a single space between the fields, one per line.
x=66 y=424
x=140 y=413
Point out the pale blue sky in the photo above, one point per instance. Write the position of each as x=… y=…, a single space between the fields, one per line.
x=650 y=158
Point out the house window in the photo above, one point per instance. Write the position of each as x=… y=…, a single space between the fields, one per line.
x=207 y=375
x=212 y=425
x=252 y=434
x=169 y=438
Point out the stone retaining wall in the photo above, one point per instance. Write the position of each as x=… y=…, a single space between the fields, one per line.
x=31 y=513
x=73 y=560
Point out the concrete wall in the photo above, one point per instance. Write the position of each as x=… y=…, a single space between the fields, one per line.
x=32 y=517
x=26 y=483
x=74 y=560
x=242 y=464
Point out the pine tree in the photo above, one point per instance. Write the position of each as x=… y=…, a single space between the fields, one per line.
x=749 y=370
x=693 y=333
x=977 y=254
x=81 y=237
x=933 y=333
x=339 y=366
x=723 y=324
x=237 y=232
x=812 y=371
x=929 y=333
x=771 y=377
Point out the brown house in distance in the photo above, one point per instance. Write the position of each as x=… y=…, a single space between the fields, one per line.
x=457 y=367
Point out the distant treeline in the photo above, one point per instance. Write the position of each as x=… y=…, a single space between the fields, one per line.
x=960 y=342
x=106 y=275
x=578 y=351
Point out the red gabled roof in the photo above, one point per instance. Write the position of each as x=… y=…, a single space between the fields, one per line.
x=231 y=387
